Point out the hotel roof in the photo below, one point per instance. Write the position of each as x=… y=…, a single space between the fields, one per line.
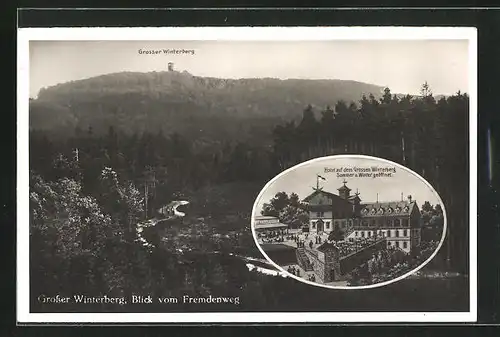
x=328 y=194
x=265 y=217
x=392 y=208
x=327 y=245
x=270 y=226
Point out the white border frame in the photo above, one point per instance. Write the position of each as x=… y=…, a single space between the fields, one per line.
x=25 y=35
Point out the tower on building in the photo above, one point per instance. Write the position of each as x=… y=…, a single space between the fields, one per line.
x=170 y=66
x=344 y=191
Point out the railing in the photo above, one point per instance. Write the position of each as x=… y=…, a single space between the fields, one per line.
x=359 y=245
x=311 y=250
x=303 y=260
x=349 y=231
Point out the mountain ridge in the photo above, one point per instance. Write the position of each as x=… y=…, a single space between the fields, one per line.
x=178 y=74
x=172 y=101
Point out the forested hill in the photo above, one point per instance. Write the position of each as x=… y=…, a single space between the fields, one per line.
x=190 y=105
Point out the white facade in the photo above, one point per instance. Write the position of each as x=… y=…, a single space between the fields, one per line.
x=326 y=217
x=396 y=221
x=266 y=220
x=327 y=225
x=403 y=238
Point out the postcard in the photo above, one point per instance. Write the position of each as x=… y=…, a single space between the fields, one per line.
x=247 y=175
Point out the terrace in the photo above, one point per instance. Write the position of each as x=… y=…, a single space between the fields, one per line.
x=348 y=248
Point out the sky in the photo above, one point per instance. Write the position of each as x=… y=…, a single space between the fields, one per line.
x=403 y=66
x=302 y=179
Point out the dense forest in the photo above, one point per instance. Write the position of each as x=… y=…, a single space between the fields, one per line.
x=428 y=136
x=88 y=190
x=179 y=102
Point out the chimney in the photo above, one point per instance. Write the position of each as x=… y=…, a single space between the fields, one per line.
x=409 y=198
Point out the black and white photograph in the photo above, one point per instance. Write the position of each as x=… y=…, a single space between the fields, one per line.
x=354 y=233
x=238 y=174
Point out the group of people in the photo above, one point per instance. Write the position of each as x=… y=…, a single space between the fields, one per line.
x=296 y=271
x=293 y=270
x=292 y=237
x=278 y=237
x=311 y=277
x=272 y=240
x=348 y=247
x=297 y=239
x=317 y=241
x=300 y=244
x=271 y=237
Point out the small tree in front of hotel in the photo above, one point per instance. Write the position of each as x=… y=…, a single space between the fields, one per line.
x=336 y=234
x=293 y=216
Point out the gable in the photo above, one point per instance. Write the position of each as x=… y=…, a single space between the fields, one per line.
x=414 y=210
x=320 y=199
x=319 y=196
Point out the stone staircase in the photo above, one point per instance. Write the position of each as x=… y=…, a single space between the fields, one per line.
x=303 y=260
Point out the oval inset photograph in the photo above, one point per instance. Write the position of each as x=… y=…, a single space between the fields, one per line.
x=348 y=221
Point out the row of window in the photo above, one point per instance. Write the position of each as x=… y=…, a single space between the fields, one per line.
x=388 y=210
x=403 y=244
x=384 y=223
x=389 y=233
x=337 y=215
x=374 y=222
x=340 y=223
x=343 y=223
x=327 y=225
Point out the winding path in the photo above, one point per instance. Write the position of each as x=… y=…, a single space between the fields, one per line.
x=169 y=211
